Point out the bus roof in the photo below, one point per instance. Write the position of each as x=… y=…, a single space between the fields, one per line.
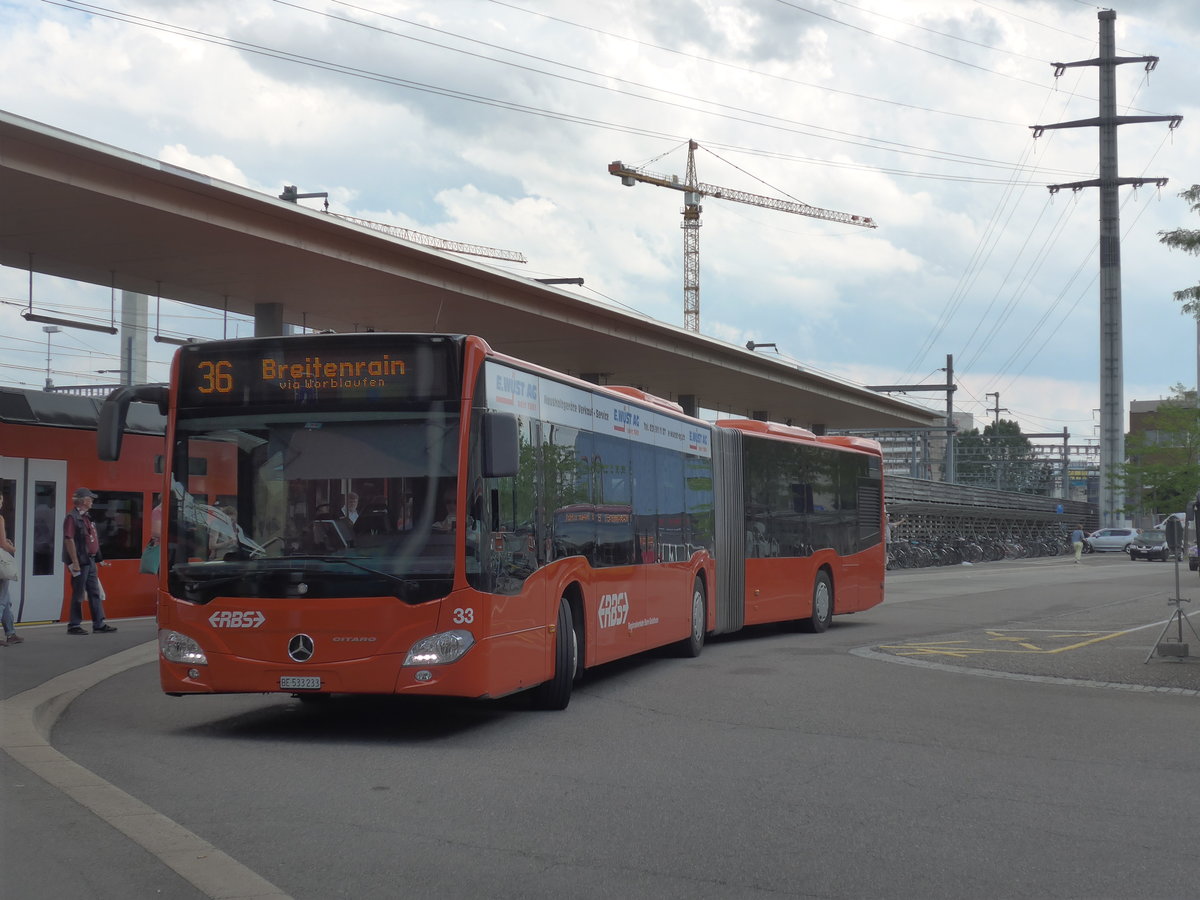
x=645 y=397
x=791 y=432
x=768 y=428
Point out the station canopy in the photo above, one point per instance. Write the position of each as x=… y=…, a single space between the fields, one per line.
x=78 y=209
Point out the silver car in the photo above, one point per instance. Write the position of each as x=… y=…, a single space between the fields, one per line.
x=1111 y=539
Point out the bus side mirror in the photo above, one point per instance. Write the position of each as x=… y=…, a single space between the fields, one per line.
x=501 y=445
x=110 y=429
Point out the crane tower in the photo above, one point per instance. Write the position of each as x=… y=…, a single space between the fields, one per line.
x=693 y=190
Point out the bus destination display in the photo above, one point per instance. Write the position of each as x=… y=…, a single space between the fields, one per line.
x=314 y=372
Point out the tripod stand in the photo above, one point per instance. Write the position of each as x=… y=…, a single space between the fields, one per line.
x=1177 y=618
x=1178 y=542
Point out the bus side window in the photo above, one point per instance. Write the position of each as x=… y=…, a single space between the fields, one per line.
x=501 y=511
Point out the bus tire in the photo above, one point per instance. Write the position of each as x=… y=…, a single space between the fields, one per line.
x=691 y=646
x=822 y=606
x=556 y=693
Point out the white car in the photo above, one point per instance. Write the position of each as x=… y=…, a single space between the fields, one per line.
x=1162 y=526
x=1111 y=539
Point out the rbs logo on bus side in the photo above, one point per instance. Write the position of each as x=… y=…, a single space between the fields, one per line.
x=614 y=609
x=228 y=618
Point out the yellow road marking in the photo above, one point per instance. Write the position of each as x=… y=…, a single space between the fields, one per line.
x=996 y=636
x=961 y=650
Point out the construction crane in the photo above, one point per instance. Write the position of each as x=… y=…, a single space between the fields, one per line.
x=693 y=190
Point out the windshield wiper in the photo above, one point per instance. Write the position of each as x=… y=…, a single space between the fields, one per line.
x=286 y=561
x=295 y=576
x=194 y=583
x=406 y=582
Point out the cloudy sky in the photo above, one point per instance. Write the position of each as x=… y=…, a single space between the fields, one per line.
x=493 y=122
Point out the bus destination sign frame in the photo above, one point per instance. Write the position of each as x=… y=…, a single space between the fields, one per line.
x=290 y=372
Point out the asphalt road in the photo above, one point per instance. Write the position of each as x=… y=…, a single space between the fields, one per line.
x=990 y=731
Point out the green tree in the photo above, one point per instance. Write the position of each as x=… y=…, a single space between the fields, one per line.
x=1161 y=472
x=1001 y=457
x=1187 y=240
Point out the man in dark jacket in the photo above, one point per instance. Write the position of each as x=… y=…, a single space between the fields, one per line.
x=81 y=553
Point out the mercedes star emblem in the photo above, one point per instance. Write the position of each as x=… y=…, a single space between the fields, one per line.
x=300 y=648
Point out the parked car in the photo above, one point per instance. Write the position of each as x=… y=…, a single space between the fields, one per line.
x=1150 y=544
x=1193 y=558
x=1110 y=539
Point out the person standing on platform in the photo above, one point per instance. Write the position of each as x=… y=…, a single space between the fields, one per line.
x=6 y=614
x=81 y=553
x=350 y=508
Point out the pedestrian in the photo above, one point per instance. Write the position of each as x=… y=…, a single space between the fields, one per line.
x=81 y=553
x=1077 y=542
x=6 y=614
x=350 y=508
x=223 y=535
x=450 y=505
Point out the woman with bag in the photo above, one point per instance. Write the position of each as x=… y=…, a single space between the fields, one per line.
x=6 y=615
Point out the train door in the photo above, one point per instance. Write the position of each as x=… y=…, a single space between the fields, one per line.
x=35 y=502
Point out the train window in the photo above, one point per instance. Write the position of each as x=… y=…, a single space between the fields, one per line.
x=45 y=524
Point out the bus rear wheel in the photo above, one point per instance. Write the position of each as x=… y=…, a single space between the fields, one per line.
x=822 y=605
x=694 y=642
x=556 y=693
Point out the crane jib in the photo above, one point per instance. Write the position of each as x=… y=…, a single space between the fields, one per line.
x=693 y=191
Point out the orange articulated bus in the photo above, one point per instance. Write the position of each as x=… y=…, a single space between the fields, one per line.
x=418 y=514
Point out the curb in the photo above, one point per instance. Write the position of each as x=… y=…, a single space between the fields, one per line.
x=26 y=721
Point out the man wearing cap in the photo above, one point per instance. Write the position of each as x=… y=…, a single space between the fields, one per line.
x=81 y=553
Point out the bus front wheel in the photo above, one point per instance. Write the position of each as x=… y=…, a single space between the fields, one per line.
x=822 y=605
x=556 y=693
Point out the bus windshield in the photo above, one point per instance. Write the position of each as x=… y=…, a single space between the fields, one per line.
x=314 y=505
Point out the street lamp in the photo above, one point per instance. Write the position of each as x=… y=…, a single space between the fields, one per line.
x=49 y=329
x=124 y=373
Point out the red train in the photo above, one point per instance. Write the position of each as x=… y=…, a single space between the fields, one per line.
x=47 y=449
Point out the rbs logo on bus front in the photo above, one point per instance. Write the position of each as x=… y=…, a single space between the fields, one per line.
x=614 y=609
x=230 y=618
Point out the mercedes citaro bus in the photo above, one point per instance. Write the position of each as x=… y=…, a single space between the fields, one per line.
x=417 y=514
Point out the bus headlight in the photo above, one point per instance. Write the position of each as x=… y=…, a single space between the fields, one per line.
x=179 y=648
x=439 y=649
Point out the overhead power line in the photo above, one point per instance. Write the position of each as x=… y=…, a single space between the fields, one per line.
x=691 y=100
x=748 y=117
x=829 y=89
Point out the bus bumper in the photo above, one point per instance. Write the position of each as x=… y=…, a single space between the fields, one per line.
x=492 y=667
